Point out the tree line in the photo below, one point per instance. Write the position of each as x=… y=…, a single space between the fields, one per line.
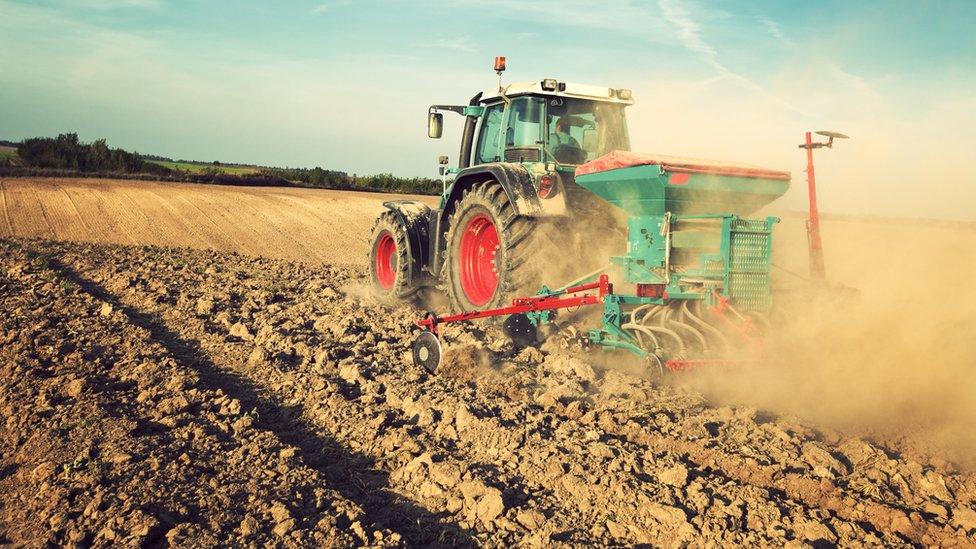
x=66 y=153
x=332 y=179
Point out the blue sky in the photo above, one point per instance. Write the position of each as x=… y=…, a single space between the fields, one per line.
x=345 y=85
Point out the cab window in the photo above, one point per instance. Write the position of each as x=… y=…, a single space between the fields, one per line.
x=489 y=141
x=525 y=123
x=579 y=130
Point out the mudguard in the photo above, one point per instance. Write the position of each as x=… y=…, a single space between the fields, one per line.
x=519 y=185
x=415 y=218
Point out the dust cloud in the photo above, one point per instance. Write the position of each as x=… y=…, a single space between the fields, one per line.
x=582 y=244
x=885 y=349
x=894 y=360
x=897 y=361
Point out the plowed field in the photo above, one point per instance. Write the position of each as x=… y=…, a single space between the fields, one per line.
x=152 y=394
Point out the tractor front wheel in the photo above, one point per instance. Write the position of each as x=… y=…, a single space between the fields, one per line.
x=491 y=251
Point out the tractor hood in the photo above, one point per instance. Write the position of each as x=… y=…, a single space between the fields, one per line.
x=650 y=184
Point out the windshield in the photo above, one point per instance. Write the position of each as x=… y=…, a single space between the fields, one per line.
x=579 y=130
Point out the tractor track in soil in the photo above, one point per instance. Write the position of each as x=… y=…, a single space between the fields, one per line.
x=43 y=206
x=534 y=447
x=6 y=214
x=77 y=212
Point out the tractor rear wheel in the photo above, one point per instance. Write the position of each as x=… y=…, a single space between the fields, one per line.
x=493 y=254
x=389 y=260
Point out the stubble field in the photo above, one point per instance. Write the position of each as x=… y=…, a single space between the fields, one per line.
x=288 y=223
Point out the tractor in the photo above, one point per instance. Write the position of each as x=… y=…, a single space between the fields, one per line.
x=508 y=200
x=544 y=174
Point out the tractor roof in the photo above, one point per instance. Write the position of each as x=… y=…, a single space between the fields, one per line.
x=562 y=89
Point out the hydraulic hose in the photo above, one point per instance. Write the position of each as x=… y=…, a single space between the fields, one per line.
x=698 y=335
x=706 y=326
x=638 y=329
x=650 y=314
x=661 y=329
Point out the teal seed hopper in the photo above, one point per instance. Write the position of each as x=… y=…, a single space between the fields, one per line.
x=687 y=234
x=692 y=255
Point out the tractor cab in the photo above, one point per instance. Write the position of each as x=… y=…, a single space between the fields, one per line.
x=551 y=121
x=540 y=122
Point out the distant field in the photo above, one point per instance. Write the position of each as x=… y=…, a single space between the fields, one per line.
x=200 y=168
x=8 y=152
x=333 y=226
x=312 y=225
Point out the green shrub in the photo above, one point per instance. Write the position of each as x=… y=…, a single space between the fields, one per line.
x=66 y=152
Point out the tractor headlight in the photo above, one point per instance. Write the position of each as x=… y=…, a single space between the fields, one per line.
x=549 y=84
x=625 y=94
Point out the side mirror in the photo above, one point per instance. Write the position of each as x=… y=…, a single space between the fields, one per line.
x=435 y=125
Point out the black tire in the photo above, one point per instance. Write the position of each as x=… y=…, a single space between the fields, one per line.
x=523 y=244
x=401 y=263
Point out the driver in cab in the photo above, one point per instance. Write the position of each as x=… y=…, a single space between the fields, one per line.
x=561 y=137
x=564 y=146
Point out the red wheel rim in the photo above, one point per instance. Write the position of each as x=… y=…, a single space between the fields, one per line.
x=386 y=261
x=478 y=267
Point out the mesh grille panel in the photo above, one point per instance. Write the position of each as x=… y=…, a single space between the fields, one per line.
x=750 y=291
x=749 y=252
x=749 y=262
x=714 y=267
x=758 y=225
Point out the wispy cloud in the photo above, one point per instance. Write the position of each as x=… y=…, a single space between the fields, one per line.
x=691 y=37
x=614 y=15
x=853 y=81
x=460 y=43
x=776 y=32
x=689 y=31
x=323 y=7
x=117 y=4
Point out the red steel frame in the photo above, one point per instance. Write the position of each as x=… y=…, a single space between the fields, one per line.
x=555 y=301
x=531 y=304
x=817 y=270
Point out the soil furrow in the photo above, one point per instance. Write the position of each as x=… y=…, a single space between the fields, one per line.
x=74 y=208
x=138 y=451
x=353 y=475
x=533 y=445
x=6 y=214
